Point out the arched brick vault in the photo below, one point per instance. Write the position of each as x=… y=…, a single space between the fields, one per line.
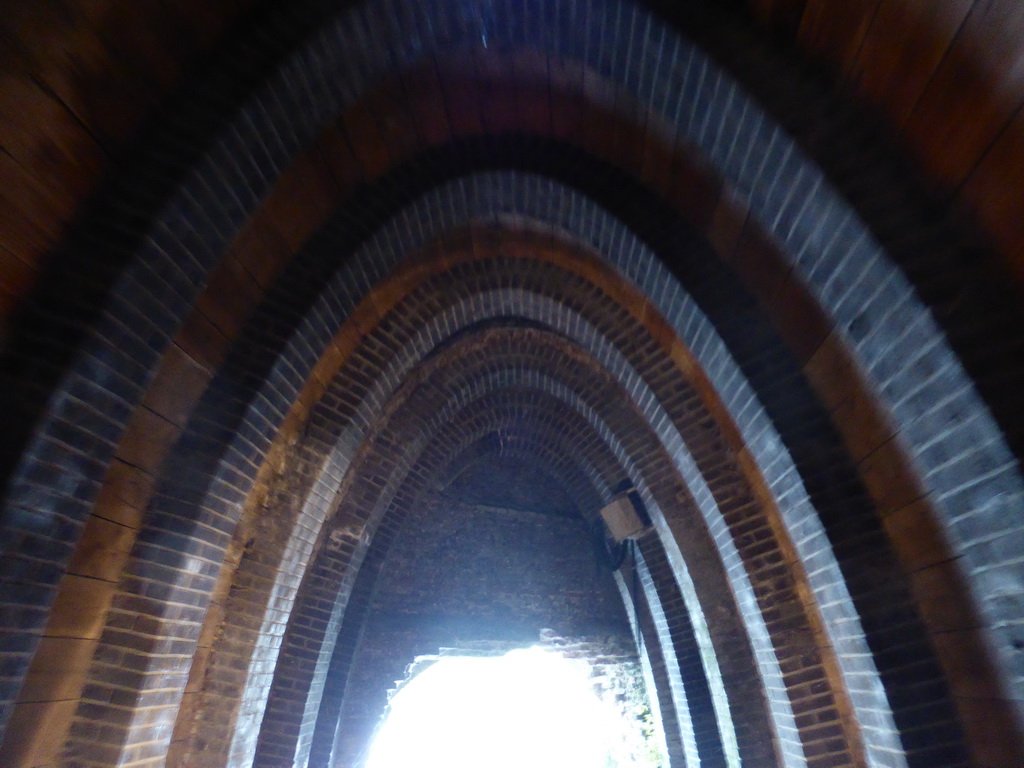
x=400 y=356
x=496 y=413
x=493 y=453
x=947 y=54
x=482 y=419
x=461 y=282
x=344 y=388
x=95 y=394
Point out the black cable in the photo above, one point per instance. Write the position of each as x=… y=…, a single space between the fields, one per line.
x=609 y=554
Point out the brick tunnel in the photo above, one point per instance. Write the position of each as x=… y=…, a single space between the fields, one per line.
x=328 y=328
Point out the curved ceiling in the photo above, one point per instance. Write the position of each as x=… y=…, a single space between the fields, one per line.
x=341 y=252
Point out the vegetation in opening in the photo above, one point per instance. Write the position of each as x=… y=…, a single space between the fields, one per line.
x=527 y=708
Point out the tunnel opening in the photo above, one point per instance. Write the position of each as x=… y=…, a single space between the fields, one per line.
x=537 y=706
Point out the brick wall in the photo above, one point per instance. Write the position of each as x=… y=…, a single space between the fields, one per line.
x=693 y=269
x=461 y=574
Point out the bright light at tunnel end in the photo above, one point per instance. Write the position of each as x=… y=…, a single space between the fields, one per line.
x=527 y=708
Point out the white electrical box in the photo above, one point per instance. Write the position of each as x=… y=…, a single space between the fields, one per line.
x=622 y=519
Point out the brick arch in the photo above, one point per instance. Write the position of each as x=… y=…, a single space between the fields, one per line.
x=569 y=397
x=485 y=413
x=483 y=21
x=294 y=701
x=163 y=63
x=552 y=314
x=831 y=365
x=453 y=203
x=313 y=524
x=872 y=566
x=115 y=410
x=284 y=713
x=684 y=530
x=485 y=450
